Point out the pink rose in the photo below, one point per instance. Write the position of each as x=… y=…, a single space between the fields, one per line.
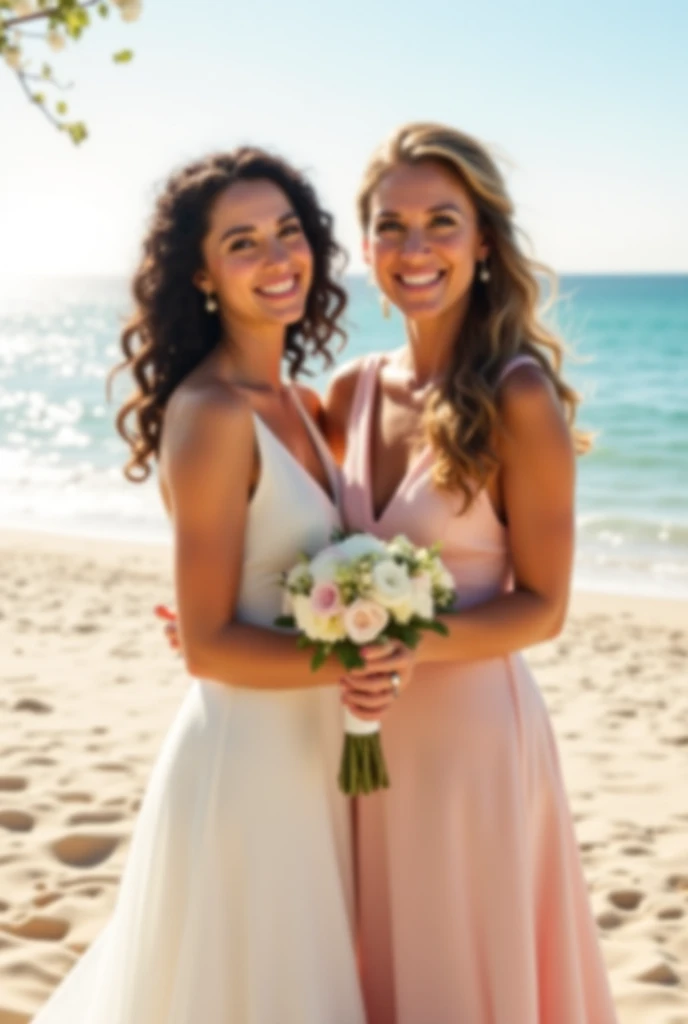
x=365 y=620
x=325 y=599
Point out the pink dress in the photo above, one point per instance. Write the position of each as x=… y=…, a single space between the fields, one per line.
x=472 y=903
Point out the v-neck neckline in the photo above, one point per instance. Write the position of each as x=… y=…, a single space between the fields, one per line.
x=319 y=445
x=412 y=466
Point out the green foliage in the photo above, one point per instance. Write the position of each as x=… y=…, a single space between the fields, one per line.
x=363 y=769
x=55 y=23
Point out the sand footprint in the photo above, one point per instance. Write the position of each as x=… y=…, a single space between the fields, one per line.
x=75 y=798
x=609 y=919
x=670 y=913
x=12 y=783
x=678 y=883
x=94 y=818
x=16 y=821
x=626 y=899
x=45 y=899
x=48 y=929
x=659 y=974
x=85 y=851
x=37 y=707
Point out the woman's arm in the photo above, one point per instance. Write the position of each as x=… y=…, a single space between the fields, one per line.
x=537 y=465
x=336 y=408
x=208 y=460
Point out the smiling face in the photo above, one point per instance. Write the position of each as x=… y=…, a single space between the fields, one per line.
x=423 y=239
x=258 y=262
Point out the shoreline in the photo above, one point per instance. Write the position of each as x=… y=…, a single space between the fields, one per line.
x=47 y=538
x=89 y=688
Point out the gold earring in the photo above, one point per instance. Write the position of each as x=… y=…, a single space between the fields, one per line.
x=384 y=305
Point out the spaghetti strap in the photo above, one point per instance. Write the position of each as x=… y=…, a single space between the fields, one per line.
x=522 y=360
x=365 y=386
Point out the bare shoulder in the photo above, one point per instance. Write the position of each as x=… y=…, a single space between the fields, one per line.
x=337 y=404
x=528 y=401
x=203 y=417
x=342 y=383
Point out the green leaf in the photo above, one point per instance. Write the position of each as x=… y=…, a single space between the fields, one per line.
x=435 y=626
x=61 y=108
x=77 y=131
x=349 y=654
x=123 y=56
x=103 y=10
x=319 y=659
x=285 y=621
x=39 y=98
x=46 y=71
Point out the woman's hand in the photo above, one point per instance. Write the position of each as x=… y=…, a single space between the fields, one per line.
x=171 y=628
x=368 y=692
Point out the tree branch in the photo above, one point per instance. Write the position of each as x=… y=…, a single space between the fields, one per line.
x=25 y=86
x=49 y=12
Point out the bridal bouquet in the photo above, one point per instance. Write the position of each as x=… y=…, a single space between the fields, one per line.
x=358 y=591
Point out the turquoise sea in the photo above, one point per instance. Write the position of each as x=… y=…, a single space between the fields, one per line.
x=60 y=457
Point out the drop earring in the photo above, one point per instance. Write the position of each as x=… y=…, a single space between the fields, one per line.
x=484 y=273
x=385 y=307
x=210 y=303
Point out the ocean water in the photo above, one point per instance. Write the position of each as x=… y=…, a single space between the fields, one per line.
x=60 y=457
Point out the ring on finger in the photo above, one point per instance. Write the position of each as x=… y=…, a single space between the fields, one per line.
x=395 y=680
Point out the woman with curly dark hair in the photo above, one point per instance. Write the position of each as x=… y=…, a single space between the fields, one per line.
x=235 y=907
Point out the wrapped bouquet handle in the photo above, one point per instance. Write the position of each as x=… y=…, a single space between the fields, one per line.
x=363 y=768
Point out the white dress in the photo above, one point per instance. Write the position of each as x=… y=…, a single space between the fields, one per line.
x=236 y=902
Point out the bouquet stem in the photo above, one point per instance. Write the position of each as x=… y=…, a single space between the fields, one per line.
x=363 y=768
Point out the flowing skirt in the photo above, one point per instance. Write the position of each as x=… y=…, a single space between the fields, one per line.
x=473 y=903
x=235 y=904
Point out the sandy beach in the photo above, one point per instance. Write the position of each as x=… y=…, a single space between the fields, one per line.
x=89 y=689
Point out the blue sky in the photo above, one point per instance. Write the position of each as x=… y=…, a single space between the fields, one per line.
x=586 y=102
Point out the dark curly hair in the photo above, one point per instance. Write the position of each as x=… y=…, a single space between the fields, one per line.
x=170 y=332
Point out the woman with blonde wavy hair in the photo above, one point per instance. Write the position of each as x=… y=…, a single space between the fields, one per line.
x=471 y=898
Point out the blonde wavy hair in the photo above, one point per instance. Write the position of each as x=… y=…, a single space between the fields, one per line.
x=461 y=417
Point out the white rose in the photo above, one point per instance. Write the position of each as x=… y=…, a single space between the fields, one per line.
x=357 y=545
x=317 y=627
x=299 y=577
x=402 y=546
x=423 y=605
x=365 y=620
x=344 y=552
x=323 y=566
x=392 y=588
x=391 y=582
x=441 y=577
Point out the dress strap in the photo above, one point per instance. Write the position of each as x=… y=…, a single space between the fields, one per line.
x=365 y=388
x=523 y=360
